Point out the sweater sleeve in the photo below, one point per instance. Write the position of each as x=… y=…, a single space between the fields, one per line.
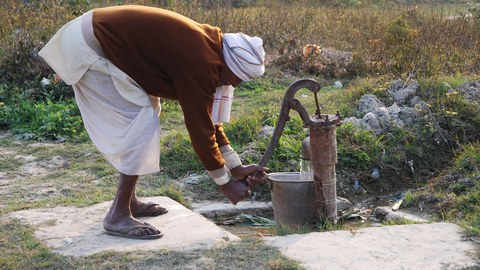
x=220 y=136
x=229 y=155
x=195 y=94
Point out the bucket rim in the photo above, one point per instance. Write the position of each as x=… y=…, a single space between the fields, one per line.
x=270 y=175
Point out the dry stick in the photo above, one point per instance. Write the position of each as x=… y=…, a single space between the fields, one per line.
x=439 y=127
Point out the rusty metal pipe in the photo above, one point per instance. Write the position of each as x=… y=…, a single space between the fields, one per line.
x=323 y=156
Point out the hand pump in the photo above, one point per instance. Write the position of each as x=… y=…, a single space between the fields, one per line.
x=321 y=148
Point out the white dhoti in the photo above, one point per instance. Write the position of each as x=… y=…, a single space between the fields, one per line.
x=117 y=114
x=127 y=134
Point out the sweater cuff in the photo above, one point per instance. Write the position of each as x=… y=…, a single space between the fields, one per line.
x=220 y=176
x=232 y=160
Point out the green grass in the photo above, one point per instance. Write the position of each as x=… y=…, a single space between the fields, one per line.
x=9 y=163
x=205 y=189
x=177 y=153
x=398 y=221
x=74 y=174
x=455 y=194
x=465 y=202
x=21 y=250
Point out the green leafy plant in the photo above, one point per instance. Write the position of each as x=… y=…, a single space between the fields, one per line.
x=358 y=148
x=43 y=120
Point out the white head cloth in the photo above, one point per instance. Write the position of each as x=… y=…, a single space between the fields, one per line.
x=244 y=55
x=222 y=104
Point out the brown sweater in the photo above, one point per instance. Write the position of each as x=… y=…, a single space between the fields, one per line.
x=169 y=56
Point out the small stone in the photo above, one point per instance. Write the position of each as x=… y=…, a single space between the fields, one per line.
x=201 y=263
x=343 y=204
x=67 y=240
x=44 y=82
x=193 y=179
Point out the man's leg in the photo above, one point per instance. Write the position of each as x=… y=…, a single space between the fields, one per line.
x=127 y=135
x=119 y=218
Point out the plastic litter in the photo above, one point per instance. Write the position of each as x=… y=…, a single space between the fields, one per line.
x=256 y=220
x=356 y=185
x=44 y=82
x=193 y=179
x=338 y=84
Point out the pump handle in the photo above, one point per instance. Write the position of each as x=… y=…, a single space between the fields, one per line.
x=289 y=102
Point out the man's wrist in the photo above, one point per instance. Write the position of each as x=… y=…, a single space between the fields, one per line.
x=222 y=180
x=220 y=176
x=231 y=157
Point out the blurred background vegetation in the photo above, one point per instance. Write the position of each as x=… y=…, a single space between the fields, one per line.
x=384 y=37
x=434 y=42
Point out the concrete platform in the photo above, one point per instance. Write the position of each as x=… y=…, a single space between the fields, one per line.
x=418 y=246
x=79 y=231
x=212 y=209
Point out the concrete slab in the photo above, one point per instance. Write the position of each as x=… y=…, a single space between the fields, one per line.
x=79 y=231
x=418 y=246
x=211 y=209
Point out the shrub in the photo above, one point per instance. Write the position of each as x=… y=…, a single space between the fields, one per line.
x=44 y=120
x=358 y=148
x=460 y=189
x=400 y=46
x=396 y=38
x=25 y=28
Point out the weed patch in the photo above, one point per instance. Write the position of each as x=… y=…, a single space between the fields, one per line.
x=21 y=250
x=455 y=195
x=44 y=120
x=177 y=155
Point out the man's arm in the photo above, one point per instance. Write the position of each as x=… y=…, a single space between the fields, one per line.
x=206 y=137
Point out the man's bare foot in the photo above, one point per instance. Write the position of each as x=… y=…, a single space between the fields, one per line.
x=119 y=220
x=149 y=209
x=127 y=226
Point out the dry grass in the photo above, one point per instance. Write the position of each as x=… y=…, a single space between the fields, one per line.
x=396 y=39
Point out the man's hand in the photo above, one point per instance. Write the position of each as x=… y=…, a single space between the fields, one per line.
x=235 y=190
x=254 y=175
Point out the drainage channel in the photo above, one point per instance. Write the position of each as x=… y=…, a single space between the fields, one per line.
x=256 y=219
x=248 y=228
x=248 y=225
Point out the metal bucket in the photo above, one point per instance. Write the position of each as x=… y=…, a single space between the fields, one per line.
x=292 y=198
